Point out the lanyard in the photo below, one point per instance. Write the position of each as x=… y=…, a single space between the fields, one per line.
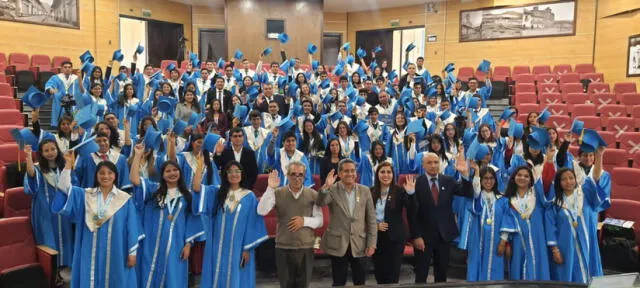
x=102 y=204
x=523 y=202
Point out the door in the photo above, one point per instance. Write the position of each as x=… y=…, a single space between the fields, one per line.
x=132 y=33
x=331 y=43
x=164 y=41
x=213 y=44
x=368 y=40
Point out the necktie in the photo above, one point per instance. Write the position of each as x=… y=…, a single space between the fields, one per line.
x=434 y=190
x=103 y=156
x=255 y=133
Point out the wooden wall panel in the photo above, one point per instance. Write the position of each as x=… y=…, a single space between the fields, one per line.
x=205 y=17
x=612 y=38
x=246 y=26
x=335 y=23
x=370 y=20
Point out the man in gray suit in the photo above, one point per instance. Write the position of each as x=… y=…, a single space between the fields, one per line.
x=352 y=230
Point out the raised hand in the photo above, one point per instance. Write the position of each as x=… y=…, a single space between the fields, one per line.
x=569 y=137
x=330 y=180
x=138 y=150
x=274 y=179
x=410 y=183
x=461 y=163
x=27 y=149
x=219 y=147
x=200 y=163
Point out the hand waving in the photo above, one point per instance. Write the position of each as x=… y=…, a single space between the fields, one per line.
x=331 y=179
x=410 y=183
x=274 y=180
x=138 y=149
x=461 y=163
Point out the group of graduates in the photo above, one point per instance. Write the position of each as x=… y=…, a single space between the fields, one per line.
x=144 y=167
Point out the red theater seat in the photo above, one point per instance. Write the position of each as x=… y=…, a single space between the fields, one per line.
x=598 y=88
x=9 y=153
x=525 y=88
x=23 y=264
x=624 y=87
x=562 y=69
x=629 y=100
x=501 y=73
x=625 y=209
x=541 y=69
x=57 y=61
x=590 y=122
x=16 y=203
x=520 y=69
x=585 y=68
x=614 y=158
x=559 y=122
x=583 y=110
x=608 y=137
x=527 y=108
x=571 y=88
x=548 y=88
x=630 y=141
x=636 y=159
x=593 y=77
x=525 y=97
x=524 y=78
x=608 y=111
x=624 y=183
x=11 y=117
x=550 y=98
x=262 y=181
x=465 y=73
x=557 y=109
x=602 y=99
x=620 y=125
x=547 y=79
x=575 y=98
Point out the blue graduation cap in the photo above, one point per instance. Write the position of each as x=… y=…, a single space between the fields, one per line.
x=346 y=46
x=378 y=49
x=34 y=98
x=315 y=64
x=86 y=147
x=361 y=126
x=335 y=116
x=297 y=110
x=408 y=104
x=544 y=115
x=516 y=130
x=325 y=83
x=373 y=65
x=360 y=100
x=24 y=137
x=451 y=78
x=477 y=151
x=210 y=141
x=473 y=103
x=286 y=124
x=410 y=47
x=539 y=138
x=484 y=66
x=180 y=126
x=86 y=57
x=327 y=99
x=445 y=115
x=406 y=92
x=293 y=88
x=164 y=125
x=117 y=55
x=405 y=66
x=282 y=81
x=507 y=113
x=195 y=63
x=577 y=127
x=87 y=67
x=391 y=91
x=591 y=141
x=266 y=51
x=485 y=92
x=338 y=70
x=152 y=138
x=238 y=54
x=361 y=53
x=194 y=119
x=253 y=91
x=350 y=59
x=122 y=76
x=392 y=75
x=171 y=67
x=237 y=75
x=283 y=38
x=450 y=68
x=240 y=112
x=221 y=63
x=351 y=92
x=312 y=49
x=285 y=66
x=193 y=56
x=158 y=75
x=166 y=104
x=139 y=49
x=416 y=127
x=86 y=118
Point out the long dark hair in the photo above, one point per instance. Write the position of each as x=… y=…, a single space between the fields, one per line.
x=306 y=139
x=142 y=130
x=491 y=138
x=327 y=153
x=195 y=136
x=111 y=167
x=114 y=138
x=160 y=195
x=92 y=79
x=512 y=188
x=224 y=186
x=44 y=163
x=557 y=185
x=377 y=186
x=488 y=170
x=94 y=85
x=441 y=152
x=194 y=102
x=537 y=160
x=377 y=160
x=456 y=137
x=60 y=132
x=122 y=100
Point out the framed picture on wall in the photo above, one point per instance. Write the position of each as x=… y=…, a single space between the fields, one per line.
x=61 y=13
x=633 y=56
x=513 y=22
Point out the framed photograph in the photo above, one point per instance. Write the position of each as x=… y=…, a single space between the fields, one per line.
x=633 y=56
x=513 y=22
x=61 y=13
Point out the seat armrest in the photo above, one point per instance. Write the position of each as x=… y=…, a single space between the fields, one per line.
x=10 y=70
x=48 y=259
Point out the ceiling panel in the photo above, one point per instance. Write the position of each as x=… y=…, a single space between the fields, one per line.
x=329 y=5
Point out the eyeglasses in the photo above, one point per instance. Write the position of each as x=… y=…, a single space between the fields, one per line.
x=488 y=178
x=234 y=171
x=296 y=175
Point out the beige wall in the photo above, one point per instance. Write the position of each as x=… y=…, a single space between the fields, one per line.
x=246 y=27
x=335 y=23
x=205 y=17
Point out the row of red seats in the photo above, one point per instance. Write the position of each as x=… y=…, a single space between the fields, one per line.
x=578 y=110
x=502 y=73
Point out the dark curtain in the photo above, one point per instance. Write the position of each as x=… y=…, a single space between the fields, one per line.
x=213 y=44
x=368 y=40
x=163 y=42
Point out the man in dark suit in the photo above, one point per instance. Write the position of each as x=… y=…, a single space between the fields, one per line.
x=267 y=97
x=217 y=92
x=238 y=152
x=430 y=216
x=407 y=80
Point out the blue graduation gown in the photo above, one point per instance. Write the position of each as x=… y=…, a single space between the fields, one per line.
x=530 y=260
x=160 y=263
x=101 y=256
x=85 y=170
x=575 y=243
x=188 y=167
x=275 y=163
x=232 y=232
x=56 y=83
x=49 y=229
x=398 y=152
x=139 y=82
x=483 y=262
x=367 y=170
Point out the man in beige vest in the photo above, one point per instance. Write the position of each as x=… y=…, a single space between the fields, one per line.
x=352 y=232
x=297 y=217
